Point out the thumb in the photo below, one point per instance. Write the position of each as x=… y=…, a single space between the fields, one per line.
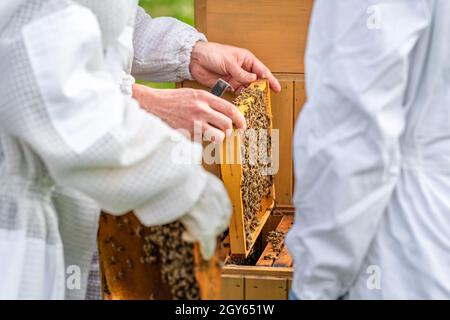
x=240 y=75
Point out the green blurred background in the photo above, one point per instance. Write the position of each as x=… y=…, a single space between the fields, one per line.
x=180 y=9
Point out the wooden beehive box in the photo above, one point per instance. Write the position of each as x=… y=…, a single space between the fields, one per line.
x=276 y=32
x=241 y=239
x=268 y=274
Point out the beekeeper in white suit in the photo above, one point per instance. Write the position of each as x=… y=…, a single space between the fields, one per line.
x=71 y=142
x=372 y=153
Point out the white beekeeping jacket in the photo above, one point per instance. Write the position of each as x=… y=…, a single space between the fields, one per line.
x=71 y=142
x=372 y=153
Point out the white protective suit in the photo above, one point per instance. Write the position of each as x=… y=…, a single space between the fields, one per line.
x=71 y=142
x=372 y=153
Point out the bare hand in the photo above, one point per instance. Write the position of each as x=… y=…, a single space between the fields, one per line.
x=211 y=61
x=180 y=108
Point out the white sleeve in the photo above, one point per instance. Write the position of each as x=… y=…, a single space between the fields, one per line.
x=162 y=48
x=347 y=142
x=90 y=136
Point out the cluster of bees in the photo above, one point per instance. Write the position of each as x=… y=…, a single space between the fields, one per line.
x=255 y=184
x=164 y=245
x=275 y=238
x=251 y=259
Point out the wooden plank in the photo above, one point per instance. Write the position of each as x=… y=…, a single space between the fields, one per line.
x=286 y=223
x=231 y=171
x=289 y=76
x=225 y=247
x=282 y=210
x=265 y=288
x=271 y=224
x=268 y=205
x=282 y=109
x=233 y=287
x=299 y=102
x=299 y=97
x=258 y=271
x=274 y=30
x=281 y=76
x=284 y=259
x=284 y=226
x=211 y=158
x=208 y=274
x=200 y=15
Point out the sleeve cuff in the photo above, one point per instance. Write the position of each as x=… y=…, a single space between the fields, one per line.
x=188 y=43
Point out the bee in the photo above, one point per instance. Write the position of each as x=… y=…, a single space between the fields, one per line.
x=108 y=239
x=138 y=231
x=129 y=263
x=119 y=276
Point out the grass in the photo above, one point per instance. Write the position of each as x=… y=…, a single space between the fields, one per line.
x=180 y=9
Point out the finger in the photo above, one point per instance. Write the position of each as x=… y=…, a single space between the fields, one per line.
x=264 y=73
x=219 y=120
x=213 y=134
x=235 y=84
x=241 y=75
x=226 y=108
x=274 y=83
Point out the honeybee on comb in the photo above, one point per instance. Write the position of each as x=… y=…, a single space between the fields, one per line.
x=255 y=183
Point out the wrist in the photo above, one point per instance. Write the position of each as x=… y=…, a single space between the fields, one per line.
x=197 y=54
x=198 y=50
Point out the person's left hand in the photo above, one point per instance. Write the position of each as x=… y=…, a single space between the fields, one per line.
x=211 y=61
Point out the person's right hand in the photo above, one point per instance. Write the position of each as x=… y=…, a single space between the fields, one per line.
x=208 y=218
x=180 y=108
